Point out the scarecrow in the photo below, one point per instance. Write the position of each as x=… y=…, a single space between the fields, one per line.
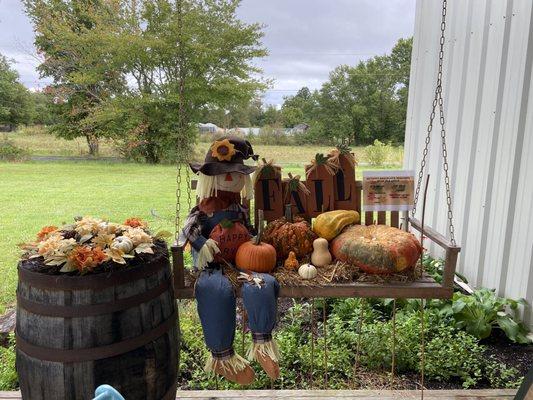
x=215 y=228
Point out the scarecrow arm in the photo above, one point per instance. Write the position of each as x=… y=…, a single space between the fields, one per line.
x=192 y=230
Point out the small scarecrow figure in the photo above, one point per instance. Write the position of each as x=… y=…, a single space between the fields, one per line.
x=215 y=229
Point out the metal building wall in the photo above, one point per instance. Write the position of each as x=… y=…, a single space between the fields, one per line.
x=489 y=120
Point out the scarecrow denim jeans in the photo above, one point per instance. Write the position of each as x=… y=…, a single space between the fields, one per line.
x=216 y=304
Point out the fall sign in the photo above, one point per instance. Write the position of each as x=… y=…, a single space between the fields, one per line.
x=329 y=184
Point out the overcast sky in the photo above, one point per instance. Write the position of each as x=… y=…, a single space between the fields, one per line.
x=306 y=38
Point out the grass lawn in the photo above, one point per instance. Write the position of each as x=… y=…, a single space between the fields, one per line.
x=39 y=143
x=35 y=194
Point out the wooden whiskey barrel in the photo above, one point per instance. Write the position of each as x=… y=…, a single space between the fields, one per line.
x=75 y=333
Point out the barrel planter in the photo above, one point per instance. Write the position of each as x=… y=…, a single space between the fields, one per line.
x=120 y=328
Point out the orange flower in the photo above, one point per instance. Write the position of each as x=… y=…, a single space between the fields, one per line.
x=223 y=150
x=135 y=223
x=45 y=231
x=87 y=258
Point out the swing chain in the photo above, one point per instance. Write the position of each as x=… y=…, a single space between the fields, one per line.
x=438 y=101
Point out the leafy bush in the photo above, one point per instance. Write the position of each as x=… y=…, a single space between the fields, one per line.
x=501 y=376
x=378 y=153
x=480 y=312
x=273 y=135
x=451 y=353
x=10 y=152
x=8 y=375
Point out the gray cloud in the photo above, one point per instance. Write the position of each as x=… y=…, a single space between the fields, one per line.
x=306 y=38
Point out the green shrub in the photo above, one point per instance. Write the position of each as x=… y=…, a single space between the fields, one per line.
x=451 y=353
x=8 y=375
x=378 y=153
x=273 y=135
x=483 y=310
x=10 y=152
x=501 y=376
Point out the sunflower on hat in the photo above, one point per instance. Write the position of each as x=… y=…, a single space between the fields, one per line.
x=222 y=150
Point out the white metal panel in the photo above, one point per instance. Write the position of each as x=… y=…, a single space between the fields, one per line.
x=489 y=121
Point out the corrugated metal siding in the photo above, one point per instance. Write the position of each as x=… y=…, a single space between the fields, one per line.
x=489 y=120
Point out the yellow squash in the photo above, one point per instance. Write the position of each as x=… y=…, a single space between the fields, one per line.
x=331 y=223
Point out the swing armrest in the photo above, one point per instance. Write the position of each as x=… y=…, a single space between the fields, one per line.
x=178 y=265
x=451 y=250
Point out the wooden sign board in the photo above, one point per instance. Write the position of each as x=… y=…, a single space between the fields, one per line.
x=326 y=191
x=297 y=199
x=388 y=190
x=320 y=185
x=344 y=185
x=268 y=193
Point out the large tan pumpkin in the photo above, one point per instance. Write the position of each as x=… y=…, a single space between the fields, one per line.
x=377 y=249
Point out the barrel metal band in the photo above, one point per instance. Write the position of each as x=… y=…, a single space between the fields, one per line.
x=92 y=282
x=95 y=353
x=91 y=310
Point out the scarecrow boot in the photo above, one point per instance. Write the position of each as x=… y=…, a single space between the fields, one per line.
x=216 y=303
x=231 y=366
x=260 y=302
x=265 y=351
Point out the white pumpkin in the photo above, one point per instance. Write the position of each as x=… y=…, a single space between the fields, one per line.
x=307 y=271
x=123 y=243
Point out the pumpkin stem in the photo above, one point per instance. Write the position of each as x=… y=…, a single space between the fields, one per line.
x=258 y=237
x=288 y=213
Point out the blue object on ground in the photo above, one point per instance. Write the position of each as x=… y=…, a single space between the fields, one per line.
x=106 y=392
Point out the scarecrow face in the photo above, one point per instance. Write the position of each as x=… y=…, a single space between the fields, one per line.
x=230 y=182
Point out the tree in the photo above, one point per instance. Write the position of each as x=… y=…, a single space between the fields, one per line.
x=15 y=101
x=299 y=108
x=185 y=57
x=67 y=33
x=360 y=103
x=42 y=108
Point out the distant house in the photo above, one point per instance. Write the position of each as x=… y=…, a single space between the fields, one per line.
x=298 y=129
x=209 y=128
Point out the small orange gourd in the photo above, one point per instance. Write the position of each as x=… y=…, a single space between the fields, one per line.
x=255 y=255
x=291 y=262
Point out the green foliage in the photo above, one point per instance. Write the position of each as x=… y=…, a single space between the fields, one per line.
x=451 y=353
x=272 y=135
x=378 y=153
x=500 y=375
x=10 y=152
x=8 y=374
x=480 y=312
x=165 y=63
x=15 y=100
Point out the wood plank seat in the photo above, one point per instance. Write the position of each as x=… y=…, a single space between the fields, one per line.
x=423 y=288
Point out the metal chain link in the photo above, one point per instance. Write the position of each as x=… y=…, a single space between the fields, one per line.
x=438 y=101
x=180 y=152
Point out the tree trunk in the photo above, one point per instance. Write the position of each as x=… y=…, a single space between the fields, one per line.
x=92 y=142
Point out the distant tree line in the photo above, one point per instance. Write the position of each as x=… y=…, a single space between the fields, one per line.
x=18 y=105
x=357 y=104
x=145 y=72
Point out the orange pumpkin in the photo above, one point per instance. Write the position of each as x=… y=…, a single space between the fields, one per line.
x=255 y=255
x=291 y=262
x=229 y=235
x=290 y=233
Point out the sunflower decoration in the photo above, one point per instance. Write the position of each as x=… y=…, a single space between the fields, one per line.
x=222 y=150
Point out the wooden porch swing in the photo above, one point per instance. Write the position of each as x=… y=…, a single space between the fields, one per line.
x=423 y=288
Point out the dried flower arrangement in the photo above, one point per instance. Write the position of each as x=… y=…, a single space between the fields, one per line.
x=90 y=244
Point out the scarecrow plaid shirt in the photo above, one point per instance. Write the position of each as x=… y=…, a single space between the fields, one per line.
x=199 y=224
